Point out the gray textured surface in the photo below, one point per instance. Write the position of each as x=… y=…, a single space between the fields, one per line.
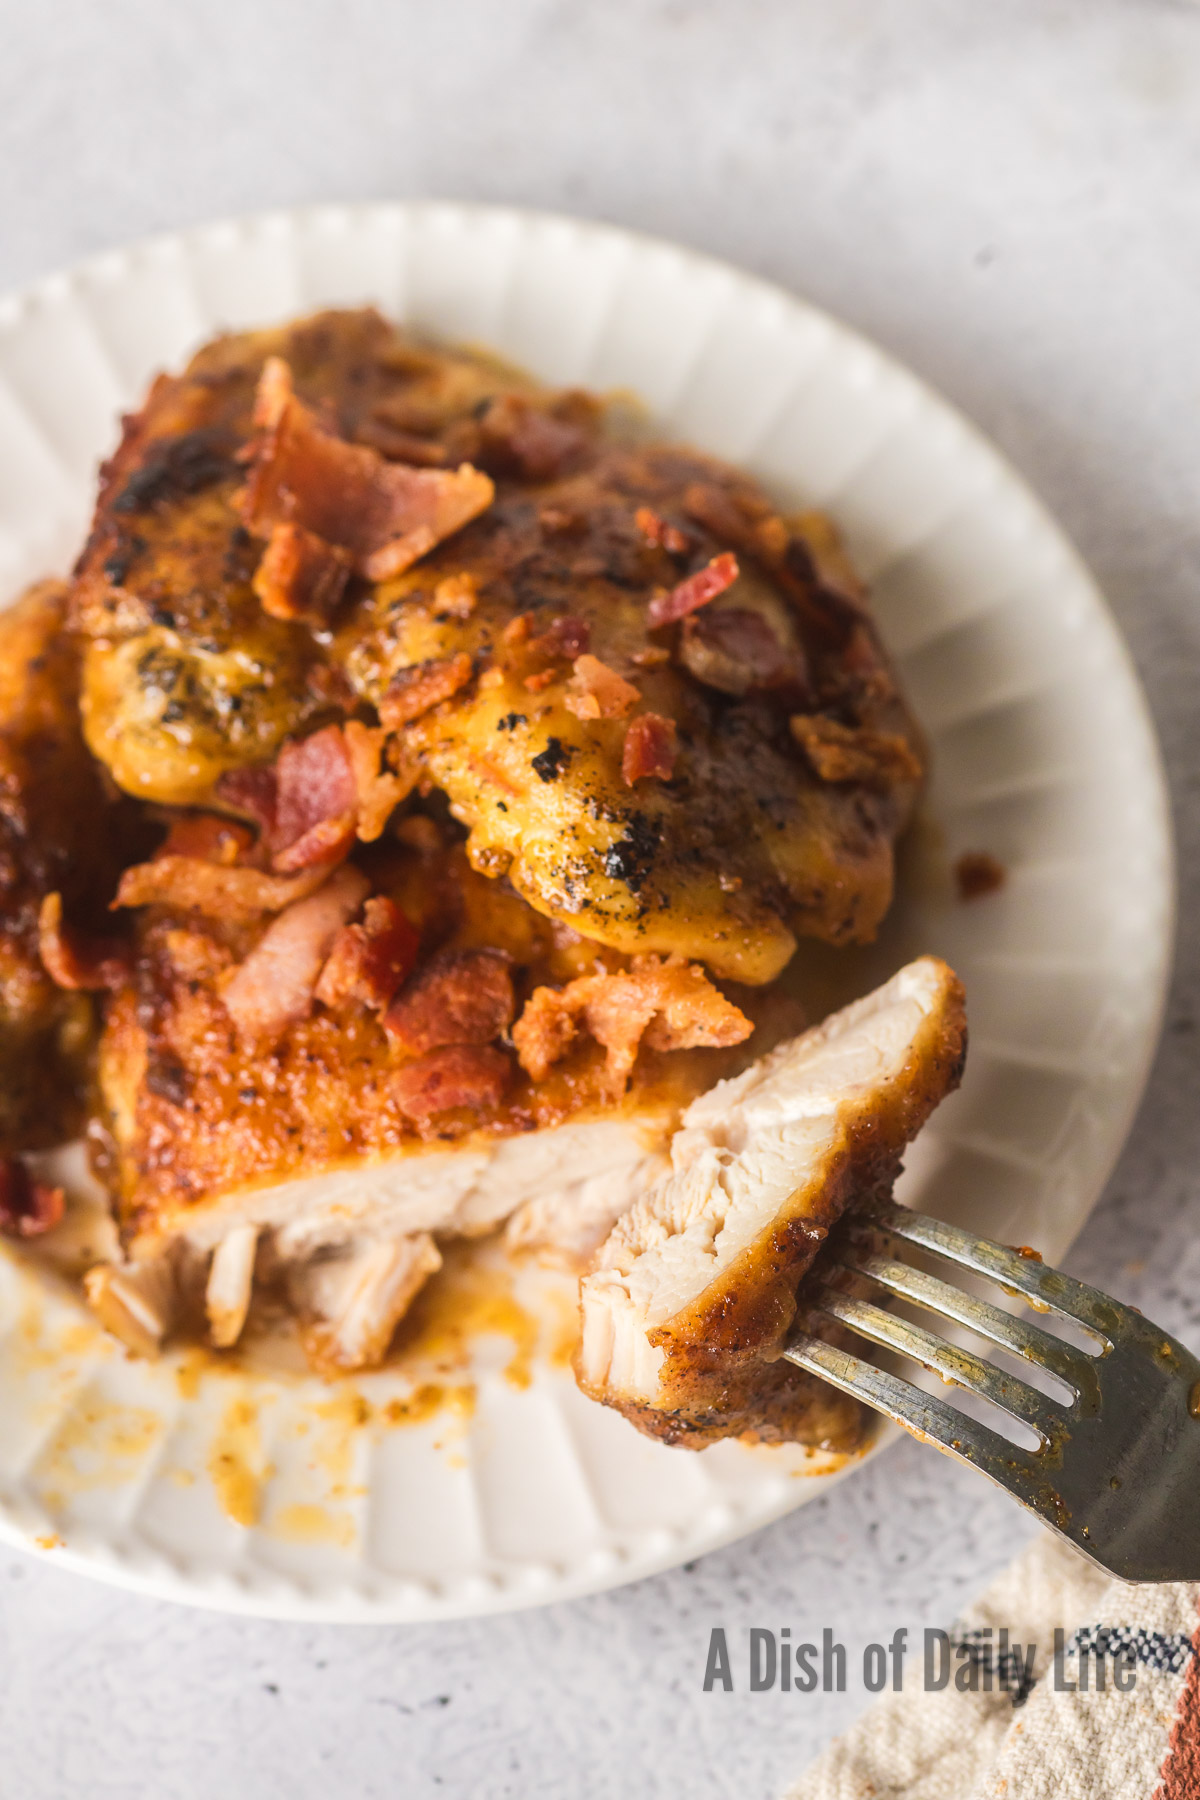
x=1006 y=197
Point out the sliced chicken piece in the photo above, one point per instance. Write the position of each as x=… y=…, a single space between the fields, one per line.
x=693 y=1295
x=135 y=1301
x=230 y=1281
x=352 y=1303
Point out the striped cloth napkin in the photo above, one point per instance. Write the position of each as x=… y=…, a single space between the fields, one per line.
x=1032 y=1730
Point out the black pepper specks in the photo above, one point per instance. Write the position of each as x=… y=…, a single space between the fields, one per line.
x=510 y=721
x=630 y=858
x=549 y=763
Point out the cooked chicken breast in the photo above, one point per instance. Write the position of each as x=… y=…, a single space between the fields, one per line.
x=693 y=1295
x=269 y=1118
x=61 y=840
x=662 y=709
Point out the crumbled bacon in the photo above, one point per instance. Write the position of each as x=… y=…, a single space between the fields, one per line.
x=877 y=759
x=459 y=997
x=656 y=531
x=316 y=802
x=301 y=575
x=696 y=591
x=461 y=1075
x=274 y=987
x=413 y=691
x=457 y=595
x=369 y=961
x=518 y=437
x=737 y=651
x=251 y=791
x=73 y=961
x=188 y=884
x=28 y=1207
x=209 y=837
x=379 y=791
x=668 y=1005
x=566 y=637
x=386 y=514
x=597 y=692
x=649 y=748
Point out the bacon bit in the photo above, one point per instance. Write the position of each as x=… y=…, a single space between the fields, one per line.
x=649 y=748
x=492 y=678
x=519 y=437
x=379 y=791
x=209 y=837
x=695 y=592
x=316 y=802
x=456 y=595
x=597 y=692
x=651 y=657
x=301 y=575
x=535 y=683
x=518 y=629
x=397 y=444
x=736 y=651
x=273 y=988
x=656 y=531
x=386 y=514
x=471 y=1075
x=413 y=691
x=567 y=636
x=668 y=1005
x=251 y=791
x=189 y=885
x=369 y=961
x=459 y=997
x=877 y=759
x=28 y=1208
x=71 y=961
x=977 y=874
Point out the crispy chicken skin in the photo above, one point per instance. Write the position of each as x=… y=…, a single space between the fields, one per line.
x=659 y=707
x=692 y=1297
x=60 y=833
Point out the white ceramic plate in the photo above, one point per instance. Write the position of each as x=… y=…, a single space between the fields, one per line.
x=265 y=1491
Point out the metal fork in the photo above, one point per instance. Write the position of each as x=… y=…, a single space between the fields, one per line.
x=1117 y=1468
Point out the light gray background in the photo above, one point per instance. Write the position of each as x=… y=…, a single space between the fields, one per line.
x=1008 y=197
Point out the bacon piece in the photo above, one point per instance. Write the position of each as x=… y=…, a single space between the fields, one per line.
x=597 y=692
x=369 y=961
x=470 y=1075
x=190 y=885
x=28 y=1207
x=459 y=997
x=656 y=531
x=520 y=438
x=877 y=759
x=668 y=1005
x=457 y=595
x=251 y=791
x=274 y=987
x=736 y=651
x=316 y=802
x=649 y=748
x=209 y=837
x=71 y=960
x=385 y=514
x=567 y=636
x=695 y=592
x=379 y=791
x=413 y=691
x=301 y=575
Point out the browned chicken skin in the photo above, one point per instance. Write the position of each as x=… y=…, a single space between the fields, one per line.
x=654 y=770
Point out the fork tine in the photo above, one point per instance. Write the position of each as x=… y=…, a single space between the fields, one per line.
x=930 y=1418
x=961 y=1367
x=916 y=1285
x=1026 y=1275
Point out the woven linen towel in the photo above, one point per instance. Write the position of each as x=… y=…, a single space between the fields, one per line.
x=1034 y=1739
